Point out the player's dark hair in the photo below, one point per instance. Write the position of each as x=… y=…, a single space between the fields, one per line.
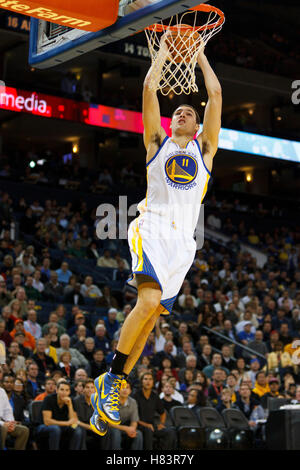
x=195 y=111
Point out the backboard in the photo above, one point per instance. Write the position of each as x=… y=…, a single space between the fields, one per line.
x=51 y=44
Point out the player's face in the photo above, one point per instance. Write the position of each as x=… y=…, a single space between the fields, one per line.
x=184 y=121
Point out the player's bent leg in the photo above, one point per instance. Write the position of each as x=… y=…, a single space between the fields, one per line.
x=147 y=303
x=141 y=341
x=108 y=385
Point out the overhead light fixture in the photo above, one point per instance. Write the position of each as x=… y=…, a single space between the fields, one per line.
x=75 y=148
x=32 y=164
x=279 y=118
x=203 y=103
x=249 y=177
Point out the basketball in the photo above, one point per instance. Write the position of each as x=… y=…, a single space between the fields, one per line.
x=182 y=44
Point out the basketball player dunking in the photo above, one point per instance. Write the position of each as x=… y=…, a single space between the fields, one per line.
x=178 y=170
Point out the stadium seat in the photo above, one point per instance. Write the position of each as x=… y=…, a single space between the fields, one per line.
x=241 y=435
x=189 y=433
x=216 y=435
x=35 y=419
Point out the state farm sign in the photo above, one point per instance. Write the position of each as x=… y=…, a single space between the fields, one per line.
x=89 y=15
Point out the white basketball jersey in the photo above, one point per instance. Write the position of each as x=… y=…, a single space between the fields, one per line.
x=177 y=182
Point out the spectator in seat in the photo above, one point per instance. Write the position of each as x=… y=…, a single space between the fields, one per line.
x=20 y=390
x=59 y=418
x=63 y=273
x=258 y=345
x=6 y=315
x=44 y=362
x=31 y=325
x=216 y=386
x=17 y=360
x=4 y=334
x=88 y=289
x=21 y=339
x=148 y=404
x=254 y=368
x=190 y=364
x=84 y=410
x=167 y=352
x=75 y=297
x=89 y=348
x=167 y=396
x=126 y=435
x=284 y=334
x=225 y=400
x=45 y=270
x=101 y=339
x=249 y=406
x=53 y=288
x=17 y=402
x=77 y=359
x=121 y=274
x=79 y=320
x=261 y=384
x=227 y=360
x=92 y=251
x=98 y=364
x=246 y=335
x=8 y=425
x=77 y=389
x=204 y=358
x=50 y=387
x=111 y=323
x=78 y=339
x=66 y=366
x=33 y=385
x=107 y=261
x=215 y=362
x=53 y=318
x=29 y=339
x=5 y=295
x=274 y=385
x=187 y=350
x=195 y=399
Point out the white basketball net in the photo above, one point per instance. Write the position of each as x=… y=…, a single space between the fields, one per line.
x=178 y=72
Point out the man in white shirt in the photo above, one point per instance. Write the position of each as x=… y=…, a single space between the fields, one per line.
x=88 y=289
x=18 y=361
x=37 y=284
x=214 y=222
x=31 y=325
x=8 y=425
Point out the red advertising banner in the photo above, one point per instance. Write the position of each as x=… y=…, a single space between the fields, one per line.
x=39 y=104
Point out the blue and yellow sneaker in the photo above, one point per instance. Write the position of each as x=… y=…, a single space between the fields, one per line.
x=98 y=425
x=108 y=387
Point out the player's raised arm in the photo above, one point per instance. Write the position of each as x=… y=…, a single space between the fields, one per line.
x=212 y=116
x=153 y=132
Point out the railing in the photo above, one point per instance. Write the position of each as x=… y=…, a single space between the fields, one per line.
x=236 y=343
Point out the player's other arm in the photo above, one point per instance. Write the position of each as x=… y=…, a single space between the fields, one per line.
x=212 y=117
x=153 y=132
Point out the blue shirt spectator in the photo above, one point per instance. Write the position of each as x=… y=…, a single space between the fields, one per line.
x=64 y=273
x=111 y=323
